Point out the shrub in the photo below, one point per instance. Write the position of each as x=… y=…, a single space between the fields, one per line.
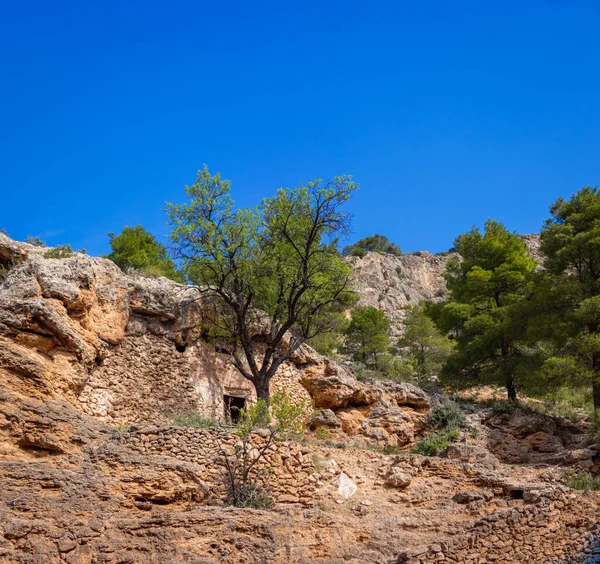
x=59 y=252
x=3 y=273
x=505 y=408
x=447 y=416
x=36 y=241
x=137 y=249
x=194 y=419
x=376 y=243
x=581 y=480
x=248 y=484
x=434 y=443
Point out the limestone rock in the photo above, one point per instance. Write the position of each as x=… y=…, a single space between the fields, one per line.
x=469 y=496
x=346 y=487
x=396 y=478
x=324 y=418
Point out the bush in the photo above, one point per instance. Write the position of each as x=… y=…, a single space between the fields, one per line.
x=432 y=444
x=248 y=484
x=3 y=273
x=137 y=249
x=194 y=419
x=36 y=241
x=376 y=243
x=581 y=480
x=60 y=252
x=447 y=416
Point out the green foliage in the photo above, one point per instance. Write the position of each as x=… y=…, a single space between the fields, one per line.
x=137 y=249
x=194 y=419
x=423 y=345
x=60 y=252
x=248 y=474
x=581 y=480
x=322 y=434
x=569 y=241
x=36 y=241
x=3 y=273
x=367 y=335
x=280 y=258
x=482 y=313
x=331 y=342
x=375 y=243
x=447 y=416
x=434 y=443
x=386 y=367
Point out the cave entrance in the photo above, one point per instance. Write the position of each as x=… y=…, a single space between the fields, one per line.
x=233 y=406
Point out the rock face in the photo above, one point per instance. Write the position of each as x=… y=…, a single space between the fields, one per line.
x=121 y=348
x=391 y=283
x=94 y=364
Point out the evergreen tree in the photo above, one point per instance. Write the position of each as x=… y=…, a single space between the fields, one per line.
x=135 y=248
x=486 y=289
x=570 y=240
x=375 y=243
x=423 y=345
x=367 y=335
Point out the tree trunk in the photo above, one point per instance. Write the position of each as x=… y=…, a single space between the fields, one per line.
x=596 y=381
x=262 y=389
x=510 y=388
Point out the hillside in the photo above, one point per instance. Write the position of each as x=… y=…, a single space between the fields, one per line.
x=95 y=366
x=390 y=283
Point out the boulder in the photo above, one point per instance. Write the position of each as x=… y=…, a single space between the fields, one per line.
x=469 y=496
x=324 y=418
x=396 y=478
x=346 y=487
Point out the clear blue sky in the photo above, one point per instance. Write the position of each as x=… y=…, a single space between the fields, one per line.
x=446 y=113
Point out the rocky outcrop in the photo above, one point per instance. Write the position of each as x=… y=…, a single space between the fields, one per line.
x=390 y=283
x=388 y=412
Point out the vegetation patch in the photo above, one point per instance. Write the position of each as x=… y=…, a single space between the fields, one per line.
x=581 y=480
x=194 y=419
x=433 y=444
x=447 y=416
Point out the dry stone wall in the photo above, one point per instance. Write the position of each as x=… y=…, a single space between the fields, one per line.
x=288 y=467
x=554 y=529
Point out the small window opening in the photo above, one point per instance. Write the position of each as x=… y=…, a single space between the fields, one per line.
x=233 y=407
x=517 y=494
x=180 y=348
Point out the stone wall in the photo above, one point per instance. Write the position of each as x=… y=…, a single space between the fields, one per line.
x=290 y=467
x=554 y=529
x=149 y=378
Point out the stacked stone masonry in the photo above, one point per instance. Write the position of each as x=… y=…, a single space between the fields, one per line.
x=290 y=470
x=553 y=529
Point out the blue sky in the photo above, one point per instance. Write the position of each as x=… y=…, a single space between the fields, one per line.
x=446 y=113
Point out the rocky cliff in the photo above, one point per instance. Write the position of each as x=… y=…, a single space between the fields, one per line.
x=390 y=283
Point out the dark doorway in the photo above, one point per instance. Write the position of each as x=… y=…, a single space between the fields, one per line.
x=233 y=406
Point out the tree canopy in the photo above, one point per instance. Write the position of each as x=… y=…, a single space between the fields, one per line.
x=367 y=335
x=486 y=288
x=423 y=345
x=272 y=273
x=137 y=249
x=570 y=240
x=376 y=243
